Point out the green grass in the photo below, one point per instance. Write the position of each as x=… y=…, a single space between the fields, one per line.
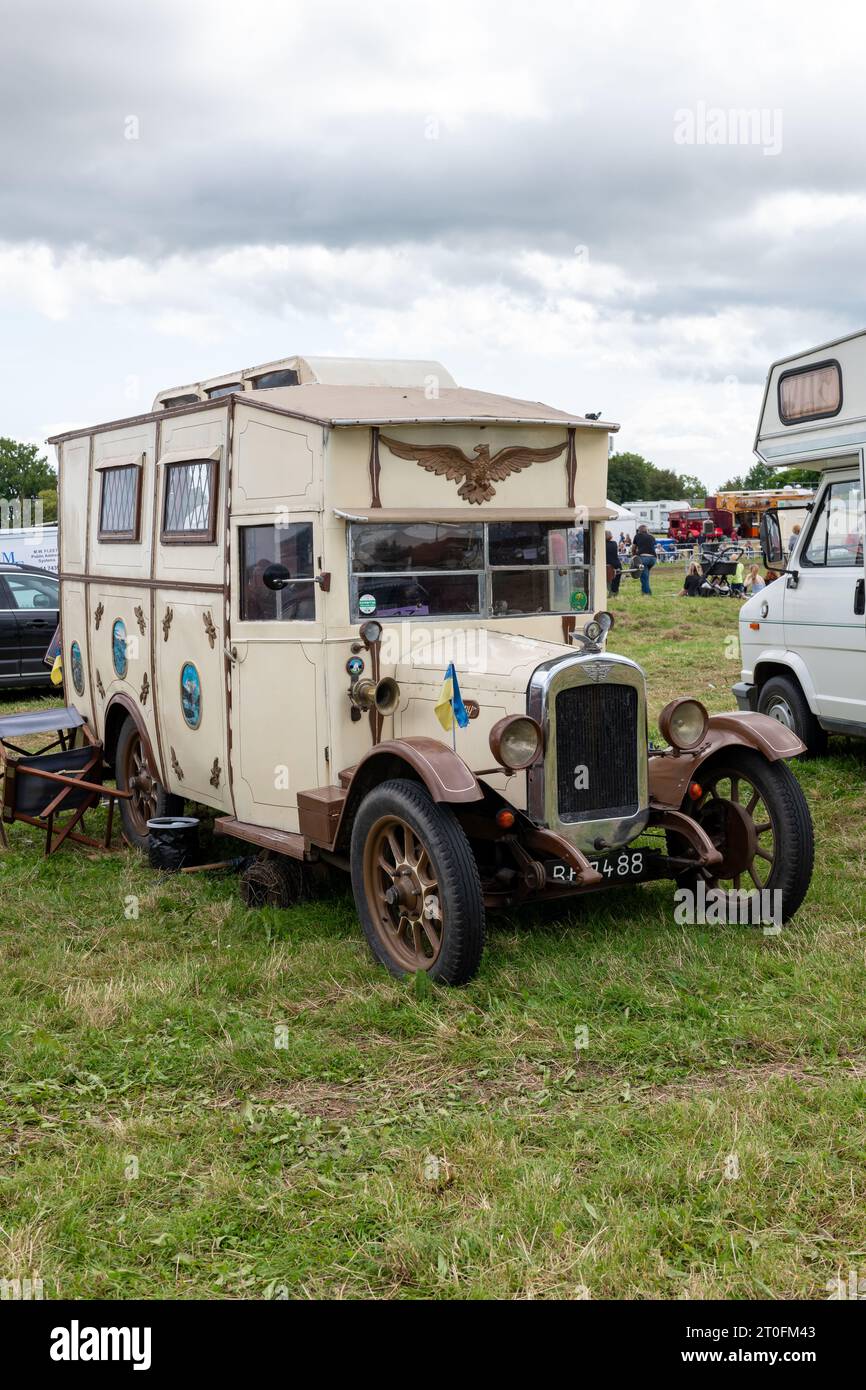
x=154 y=1142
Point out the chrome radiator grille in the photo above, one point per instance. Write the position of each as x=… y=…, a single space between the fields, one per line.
x=596 y=754
x=591 y=784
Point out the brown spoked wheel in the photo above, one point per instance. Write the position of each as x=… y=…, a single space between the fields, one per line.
x=416 y=884
x=135 y=774
x=403 y=893
x=139 y=779
x=755 y=813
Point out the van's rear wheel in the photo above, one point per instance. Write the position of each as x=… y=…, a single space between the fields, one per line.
x=134 y=773
x=416 y=884
x=782 y=699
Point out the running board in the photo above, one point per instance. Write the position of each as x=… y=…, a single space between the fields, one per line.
x=280 y=841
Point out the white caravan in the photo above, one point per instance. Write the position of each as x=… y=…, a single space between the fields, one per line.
x=803 y=637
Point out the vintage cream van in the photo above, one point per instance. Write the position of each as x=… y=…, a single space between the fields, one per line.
x=803 y=638
x=264 y=582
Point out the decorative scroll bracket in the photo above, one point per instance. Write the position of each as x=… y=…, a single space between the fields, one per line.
x=570 y=469
x=375 y=468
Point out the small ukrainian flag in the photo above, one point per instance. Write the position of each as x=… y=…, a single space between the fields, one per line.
x=57 y=671
x=450 y=707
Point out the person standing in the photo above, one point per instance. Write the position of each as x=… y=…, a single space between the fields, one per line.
x=645 y=550
x=614 y=564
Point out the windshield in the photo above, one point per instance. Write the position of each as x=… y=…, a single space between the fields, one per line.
x=463 y=569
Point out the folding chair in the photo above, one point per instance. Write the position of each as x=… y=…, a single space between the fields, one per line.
x=38 y=788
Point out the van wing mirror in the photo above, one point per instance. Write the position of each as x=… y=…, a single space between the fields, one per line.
x=772 y=551
x=276 y=577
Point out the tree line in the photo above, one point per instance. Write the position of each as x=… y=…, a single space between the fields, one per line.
x=632 y=478
x=27 y=476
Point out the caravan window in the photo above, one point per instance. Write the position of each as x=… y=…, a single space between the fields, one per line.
x=836 y=538
x=276 y=565
x=119 y=503
x=189 y=508
x=810 y=393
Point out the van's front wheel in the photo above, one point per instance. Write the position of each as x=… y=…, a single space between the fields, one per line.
x=782 y=699
x=416 y=884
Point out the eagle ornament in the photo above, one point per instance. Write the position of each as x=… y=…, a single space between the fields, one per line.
x=478 y=473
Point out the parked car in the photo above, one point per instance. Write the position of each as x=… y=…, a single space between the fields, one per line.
x=29 y=614
x=803 y=637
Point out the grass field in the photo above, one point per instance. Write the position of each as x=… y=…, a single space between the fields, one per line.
x=200 y=1101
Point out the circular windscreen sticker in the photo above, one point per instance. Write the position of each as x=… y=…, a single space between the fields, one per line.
x=578 y=601
x=367 y=604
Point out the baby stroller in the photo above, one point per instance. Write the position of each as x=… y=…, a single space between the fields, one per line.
x=718 y=563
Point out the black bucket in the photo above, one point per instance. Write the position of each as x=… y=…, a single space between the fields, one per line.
x=173 y=842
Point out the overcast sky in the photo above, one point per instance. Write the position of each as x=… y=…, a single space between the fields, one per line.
x=552 y=198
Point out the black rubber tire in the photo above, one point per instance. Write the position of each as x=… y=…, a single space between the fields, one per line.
x=789 y=811
x=802 y=720
x=166 y=804
x=456 y=871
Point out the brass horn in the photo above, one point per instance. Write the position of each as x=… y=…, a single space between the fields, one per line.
x=383 y=695
x=387 y=696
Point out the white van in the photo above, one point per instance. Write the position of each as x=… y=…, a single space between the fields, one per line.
x=803 y=637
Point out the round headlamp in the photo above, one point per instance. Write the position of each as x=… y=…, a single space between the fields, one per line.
x=516 y=742
x=683 y=723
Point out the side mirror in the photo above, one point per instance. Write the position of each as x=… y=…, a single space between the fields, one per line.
x=276 y=577
x=772 y=550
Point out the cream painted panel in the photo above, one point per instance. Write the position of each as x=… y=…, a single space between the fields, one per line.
x=111 y=604
x=73 y=458
x=276 y=462
x=279 y=727
x=118 y=446
x=73 y=623
x=404 y=483
x=417 y=717
x=196 y=760
x=194 y=562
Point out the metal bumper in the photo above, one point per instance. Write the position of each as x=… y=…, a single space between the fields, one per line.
x=746 y=696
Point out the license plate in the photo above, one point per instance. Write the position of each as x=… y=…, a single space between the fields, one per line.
x=621 y=866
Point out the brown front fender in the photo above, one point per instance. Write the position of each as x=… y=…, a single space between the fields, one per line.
x=443 y=772
x=671 y=772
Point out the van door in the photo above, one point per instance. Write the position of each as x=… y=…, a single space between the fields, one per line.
x=825 y=605
x=279 y=710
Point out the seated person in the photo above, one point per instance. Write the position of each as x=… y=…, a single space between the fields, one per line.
x=692 y=582
x=754 y=583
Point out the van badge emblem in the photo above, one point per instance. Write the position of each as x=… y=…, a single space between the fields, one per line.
x=479 y=473
x=598 y=670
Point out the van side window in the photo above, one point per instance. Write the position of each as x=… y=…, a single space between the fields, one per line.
x=836 y=538
x=189 y=506
x=276 y=566
x=119 y=503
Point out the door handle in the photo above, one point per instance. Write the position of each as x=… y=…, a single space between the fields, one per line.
x=860 y=598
